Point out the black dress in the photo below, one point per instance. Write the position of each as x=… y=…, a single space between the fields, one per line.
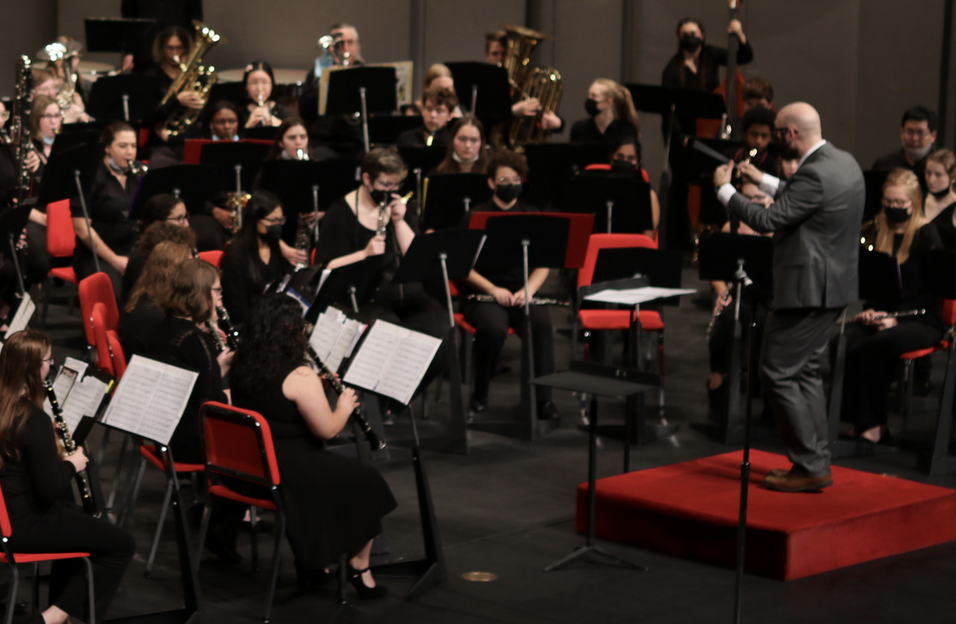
x=245 y=276
x=334 y=504
x=586 y=131
x=181 y=343
x=36 y=488
x=138 y=328
x=944 y=225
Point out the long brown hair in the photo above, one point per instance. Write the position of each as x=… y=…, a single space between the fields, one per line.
x=450 y=165
x=154 y=281
x=906 y=179
x=20 y=385
x=190 y=290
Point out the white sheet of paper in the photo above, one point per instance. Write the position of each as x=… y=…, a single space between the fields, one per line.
x=84 y=400
x=392 y=361
x=326 y=330
x=22 y=317
x=634 y=296
x=342 y=347
x=150 y=399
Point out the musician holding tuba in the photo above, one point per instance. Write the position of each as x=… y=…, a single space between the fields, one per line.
x=36 y=479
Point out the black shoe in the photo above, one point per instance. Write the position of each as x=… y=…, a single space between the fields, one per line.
x=546 y=409
x=717 y=399
x=364 y=591
x=478 y=405
x=222 y=545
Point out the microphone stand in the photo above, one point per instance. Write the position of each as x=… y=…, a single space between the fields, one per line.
x=743 y=281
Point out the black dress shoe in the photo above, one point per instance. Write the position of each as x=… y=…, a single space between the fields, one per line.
x=478 y=405
x=546 y=409
x=364 y=591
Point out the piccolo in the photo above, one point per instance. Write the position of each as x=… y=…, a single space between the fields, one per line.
x=534 y=300
x=63 y=429
x=374 y=441
x=886 y=315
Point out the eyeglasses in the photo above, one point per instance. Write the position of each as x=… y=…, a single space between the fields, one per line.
x=895 y=203
x=180 y=219
x=783 y=132
x=274 y=221
x=508 y=180
x=51 y=116
x=916 y=134
x=387 y=186
x=51 y=360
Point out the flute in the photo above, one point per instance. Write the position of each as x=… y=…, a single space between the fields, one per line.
x=886 y=315
x=374 y=441
x=63 y=429
x=480 y=298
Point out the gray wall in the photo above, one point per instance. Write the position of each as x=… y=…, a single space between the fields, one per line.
x=860 y=62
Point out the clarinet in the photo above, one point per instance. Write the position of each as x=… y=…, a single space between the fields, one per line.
x=82 y=478
x=220 y=343
x=232 y=334
x=374 y=441
x=534 y=300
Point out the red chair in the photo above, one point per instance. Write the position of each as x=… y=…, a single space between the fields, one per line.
x=237 y=444
x=949 y=320
x=109 y=352
x=60 y=243
x=12 y=559
x=605 y=320
x=607 y=167
x=213 y=257
x=97 y=288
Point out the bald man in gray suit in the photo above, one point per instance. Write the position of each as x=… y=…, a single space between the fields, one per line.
x=816 y=224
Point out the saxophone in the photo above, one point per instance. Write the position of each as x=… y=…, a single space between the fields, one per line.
x=82 y=478
x=192 y=77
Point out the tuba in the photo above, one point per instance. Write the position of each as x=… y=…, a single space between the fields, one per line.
x=192 y=77
x=526 y=82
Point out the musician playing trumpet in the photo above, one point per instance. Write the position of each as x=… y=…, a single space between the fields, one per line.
x=876 y=340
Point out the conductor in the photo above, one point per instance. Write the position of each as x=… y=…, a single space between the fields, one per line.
x=816 y=222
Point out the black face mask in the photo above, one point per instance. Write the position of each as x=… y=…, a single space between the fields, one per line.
x=507 y=192
x=591 y=107
x=941 y=194
x=619 y=165
x=273 y=233
x=690 y=43
x=380 y=197
x=895 y=215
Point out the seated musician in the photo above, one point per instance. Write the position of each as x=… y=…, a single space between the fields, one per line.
x=108 y=203
x=221 y=123
x=64 y=55
x=170 y=48
x=45 y=124
x=351 y=232
x=36 y=479
x=695 y=65
x=164 y=218
x=626 y=159
x=347 y=50
x=335 y=504
x=253 y=259
x=917 y=137
x=757 y=127
x=467 y=151
x=506 y=172
x=292 y=141
x=874 y=340
x=720 y=341
x=496 y=47
x=183 y=338
x=438 y=77
x=438 y=104
x=142 y=315
x=940 y=200
x=259 y=109
x=611 y=115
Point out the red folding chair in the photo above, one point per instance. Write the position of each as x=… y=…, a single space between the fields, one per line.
x=213 y=257
x=620 y=320
x=237 y=444
x=12 y=559
x=109 y=352
x=97 y=288
x=468 y=335
x=949 y=321
x=60 y=243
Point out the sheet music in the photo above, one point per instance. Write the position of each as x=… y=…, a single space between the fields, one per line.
x=77 y=365
x=61 y=388
x=325 y=276
x=84 y=400
x=373 y=359
x=392 y=361
x=343 y=344
x=150 y=399
x=22 y=317
x=326 y=331
x=633 y=296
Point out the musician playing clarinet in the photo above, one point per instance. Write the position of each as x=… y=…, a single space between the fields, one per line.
x=36 y=478
x=506 y=172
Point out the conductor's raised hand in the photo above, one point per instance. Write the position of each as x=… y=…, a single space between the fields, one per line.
x=751 y=173
x=723 y=173
x=375 y=247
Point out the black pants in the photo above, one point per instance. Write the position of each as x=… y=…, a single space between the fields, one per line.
x=65 y=528
x=491 y=322
x=721 y=342
x=871 y=359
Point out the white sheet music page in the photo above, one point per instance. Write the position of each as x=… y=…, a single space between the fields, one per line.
x=372 y=361
x=22 y=317
x=408 y=366
x=633 y=296
x=351 y=332
x=84 y=400
x=150 y=399
x=326 y=330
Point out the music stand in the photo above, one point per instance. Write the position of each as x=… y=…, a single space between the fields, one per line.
x=58 y=182
x=483 y=90
x=351 y=285
x=12 y=222
x=129 y=97
x=597 y=380
x=360 y=90
x=621 y=204
x=261 y=133
x=699 y=169
x=552 y=165
x=424 y=158
x=449 y=196
x=71 y=137
x=111 y=34
x=194 y=184
x=385 y=129
x=227 y=155
x=446 y=255
x=298 y=185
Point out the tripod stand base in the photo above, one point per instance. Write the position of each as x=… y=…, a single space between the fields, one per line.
x=429 y=573
x=584 y=551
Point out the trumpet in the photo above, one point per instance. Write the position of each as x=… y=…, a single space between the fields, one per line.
x=374 y=441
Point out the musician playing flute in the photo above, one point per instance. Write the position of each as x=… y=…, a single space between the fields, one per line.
x=36 y=477
x=875 y=341
x=506 y=172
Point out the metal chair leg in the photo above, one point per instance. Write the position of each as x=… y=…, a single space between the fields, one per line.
x=159 y=527
x=255 y=538
x=130 y=502
x=91 y=594
x=276 y=552
x=12 y=597
x=35 y=592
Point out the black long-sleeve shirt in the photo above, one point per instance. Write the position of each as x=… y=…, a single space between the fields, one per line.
x=241 y=288
x=707 y=77
x=39 y=477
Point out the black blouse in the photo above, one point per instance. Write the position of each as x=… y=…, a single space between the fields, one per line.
x=944 y=225
x=240 y=288
x=586 y=131
x=711 y=57
x=911 y=274
x=109 y=204
x=416 y=137
x=38 y=478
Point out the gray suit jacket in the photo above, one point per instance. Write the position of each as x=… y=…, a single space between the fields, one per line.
x=816 y=224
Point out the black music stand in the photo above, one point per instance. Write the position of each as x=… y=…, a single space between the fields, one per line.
x=227 y=155
x=424 y=158
x=621 y=204
x=449 y=197
x=234 y=92
x=74 y=136
x=879 y=280
x=130 y=97
x=446 y=255
x=193 y=183
x=12 y=222
x=482 y=89
x=298 y=185
x=111 y=34
x=873 y=183
x=719 y=256
x=58 y=182
x=385 y=129
x=552 y=165
x=699 y=169
x=351 y=286
x=609 y=381
x=362 y=91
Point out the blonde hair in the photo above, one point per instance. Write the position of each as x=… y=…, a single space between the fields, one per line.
x=907 y=180
x=438 y=70
x=621 y=98
x=946 y=158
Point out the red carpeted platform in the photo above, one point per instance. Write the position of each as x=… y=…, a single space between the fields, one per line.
x=690 y=510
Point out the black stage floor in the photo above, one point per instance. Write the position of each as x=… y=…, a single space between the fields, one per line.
x=507 y=508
